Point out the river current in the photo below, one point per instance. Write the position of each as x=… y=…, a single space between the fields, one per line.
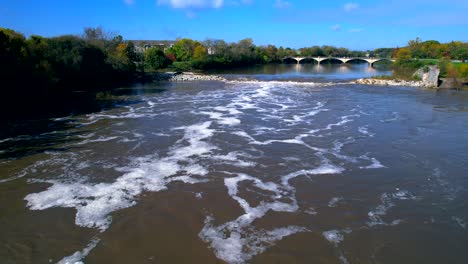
x=271 y=166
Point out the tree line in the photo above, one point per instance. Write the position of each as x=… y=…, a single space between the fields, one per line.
x=40 y=73
x=209 y=54
x=432 y=49
x=422 y=53
x=187 y=53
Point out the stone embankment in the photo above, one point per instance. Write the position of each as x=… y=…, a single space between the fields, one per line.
x=395 y=82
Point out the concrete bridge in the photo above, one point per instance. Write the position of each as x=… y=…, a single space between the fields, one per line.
x=371 y=61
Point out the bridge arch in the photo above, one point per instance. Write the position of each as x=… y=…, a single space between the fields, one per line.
x=340 y=60
x=357 y=59
x=384 y=59
x=308 y=60
x=332 y=59
x=289 y=60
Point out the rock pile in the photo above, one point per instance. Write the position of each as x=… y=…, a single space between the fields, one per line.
x=190 y=76
x=429 y=75
x=395 y=82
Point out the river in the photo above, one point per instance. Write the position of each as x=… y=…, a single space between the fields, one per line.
x=279 y=164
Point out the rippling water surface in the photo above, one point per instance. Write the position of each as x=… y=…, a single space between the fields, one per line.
x=265 y=170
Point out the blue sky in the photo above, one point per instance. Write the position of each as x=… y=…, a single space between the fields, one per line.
x=355 y=24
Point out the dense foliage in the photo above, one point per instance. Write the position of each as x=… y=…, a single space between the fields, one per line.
x=219 y=54
x=419 y=53
x=36 y=71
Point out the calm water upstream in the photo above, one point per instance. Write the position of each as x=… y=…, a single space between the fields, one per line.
x=280 y=164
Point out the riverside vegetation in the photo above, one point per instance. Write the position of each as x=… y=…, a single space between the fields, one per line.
x=60 y=74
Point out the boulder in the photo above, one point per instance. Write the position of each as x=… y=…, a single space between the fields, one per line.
x=429 y=76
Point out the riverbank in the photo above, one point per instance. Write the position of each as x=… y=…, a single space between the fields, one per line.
x=444 y=83
x=389 y=82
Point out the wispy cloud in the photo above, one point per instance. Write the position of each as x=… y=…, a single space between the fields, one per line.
x=336 y=27
x=129 y=2
x=350 y=7
x=281 y=4
x=182 y=4
x=356 y=30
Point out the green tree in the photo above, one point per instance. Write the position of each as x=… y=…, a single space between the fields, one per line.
x=183 y=49
x=199 y=52
x=155 y=59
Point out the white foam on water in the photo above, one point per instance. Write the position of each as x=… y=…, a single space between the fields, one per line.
x=343 y=259
x=95 y=202
x=99 y=139
x=238 y=240
x=17 y=176
x=230 y=110
x=441 y=184
x=395 y=117
x=89 y=135
x=324 y=168
x=333 y=236
x=334 y=201
x=264 y=91
x=78 y=256
x=381 y=210
x=194 y=135
x=310 y=211
x=301 y=118
x=336 y=237
x=365 y=131
x=55 y=159
x=387 y=202
x=5 y=140
x=278 y=83
x=291 y=159
x=459 y=221
x=93 y=118
x=344 y=119
x=396 y=222
x=374 y=165
x=242 y=243
x=232 y=158
x=62 y=118
x=338 y=145
x=403 y=195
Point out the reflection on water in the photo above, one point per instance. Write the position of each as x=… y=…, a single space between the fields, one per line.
x=302 y=169
x=321 y=72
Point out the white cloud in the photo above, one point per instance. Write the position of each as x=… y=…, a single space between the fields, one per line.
x=281 y=4
x=350 y=7
x=356 y=30
x=192 y=3
x=336 y=27
x=129 y=2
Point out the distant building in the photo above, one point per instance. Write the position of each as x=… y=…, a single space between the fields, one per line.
x=211 y=51
x=142 y=45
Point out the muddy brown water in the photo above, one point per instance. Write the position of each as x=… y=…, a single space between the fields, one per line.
x=281 y=164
